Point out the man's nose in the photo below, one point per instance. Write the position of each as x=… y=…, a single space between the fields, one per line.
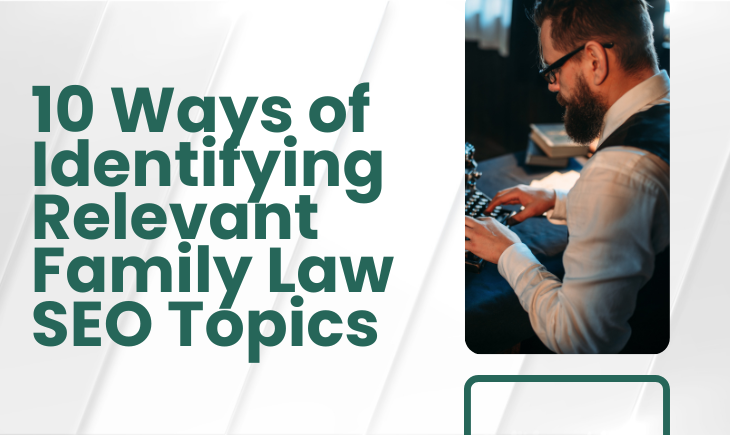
x=554 y=87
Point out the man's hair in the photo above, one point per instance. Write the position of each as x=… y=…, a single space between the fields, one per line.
x=626 y=23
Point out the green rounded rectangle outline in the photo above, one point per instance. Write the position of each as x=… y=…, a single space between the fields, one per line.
x=566 y=378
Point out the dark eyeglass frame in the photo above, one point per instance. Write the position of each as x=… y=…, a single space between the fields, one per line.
x=548 y=73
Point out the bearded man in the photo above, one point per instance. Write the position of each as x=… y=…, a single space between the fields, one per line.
x=599 y=57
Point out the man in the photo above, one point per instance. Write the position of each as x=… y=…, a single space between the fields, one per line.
x=599 y=58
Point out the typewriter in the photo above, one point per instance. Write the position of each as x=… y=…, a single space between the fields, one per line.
x=475 y=204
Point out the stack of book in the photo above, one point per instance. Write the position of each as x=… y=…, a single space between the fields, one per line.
x=549 y=145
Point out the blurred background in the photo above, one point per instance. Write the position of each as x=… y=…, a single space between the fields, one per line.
x=504 y=93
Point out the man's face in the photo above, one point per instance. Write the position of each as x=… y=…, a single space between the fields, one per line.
x=584 y=108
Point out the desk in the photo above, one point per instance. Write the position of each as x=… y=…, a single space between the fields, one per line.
x=495 y=320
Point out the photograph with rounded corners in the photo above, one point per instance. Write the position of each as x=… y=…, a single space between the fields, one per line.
x=567 y=176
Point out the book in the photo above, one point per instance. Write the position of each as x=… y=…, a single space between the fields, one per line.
x=554 y=141
x=536 y=157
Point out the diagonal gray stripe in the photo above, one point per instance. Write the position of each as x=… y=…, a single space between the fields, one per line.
x=511 y=398
x=290 y=269
x=456 y=209
x=53 y=145
x=690 y=265
x=700 y=235
x=98 y=383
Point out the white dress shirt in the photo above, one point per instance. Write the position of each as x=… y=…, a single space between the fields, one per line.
x=618 y=220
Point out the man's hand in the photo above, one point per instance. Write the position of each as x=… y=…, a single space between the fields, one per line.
x=535 y=200
x=488 y=238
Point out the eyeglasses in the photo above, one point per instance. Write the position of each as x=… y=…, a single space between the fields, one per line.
x=549 y=72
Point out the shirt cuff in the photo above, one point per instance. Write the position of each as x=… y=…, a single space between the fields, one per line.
x=559 y=214
x=513 y=262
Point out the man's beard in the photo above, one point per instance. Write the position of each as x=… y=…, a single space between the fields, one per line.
x=584 y=113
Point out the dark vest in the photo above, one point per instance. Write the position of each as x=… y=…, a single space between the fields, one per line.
x=648 y=131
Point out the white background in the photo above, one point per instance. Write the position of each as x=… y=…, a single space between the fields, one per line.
x=411 y=380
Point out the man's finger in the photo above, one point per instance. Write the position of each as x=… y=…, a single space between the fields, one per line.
x=521 y=216
x=469 y=232
x=502 y=192
x=511 y=189
x=470 y=222
x=487 y=219
x=511 y=195
x=490 y=224
x=486 y=222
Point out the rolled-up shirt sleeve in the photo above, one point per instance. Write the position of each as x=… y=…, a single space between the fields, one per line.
x=608 y=259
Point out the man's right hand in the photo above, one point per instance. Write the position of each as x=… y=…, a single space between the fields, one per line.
x=536 y=200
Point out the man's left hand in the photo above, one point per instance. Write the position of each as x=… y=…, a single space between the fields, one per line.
x=488 y=238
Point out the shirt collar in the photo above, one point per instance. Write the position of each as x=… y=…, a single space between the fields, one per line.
x=650 y=92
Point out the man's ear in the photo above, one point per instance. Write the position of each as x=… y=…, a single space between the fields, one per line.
x=598 y=58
